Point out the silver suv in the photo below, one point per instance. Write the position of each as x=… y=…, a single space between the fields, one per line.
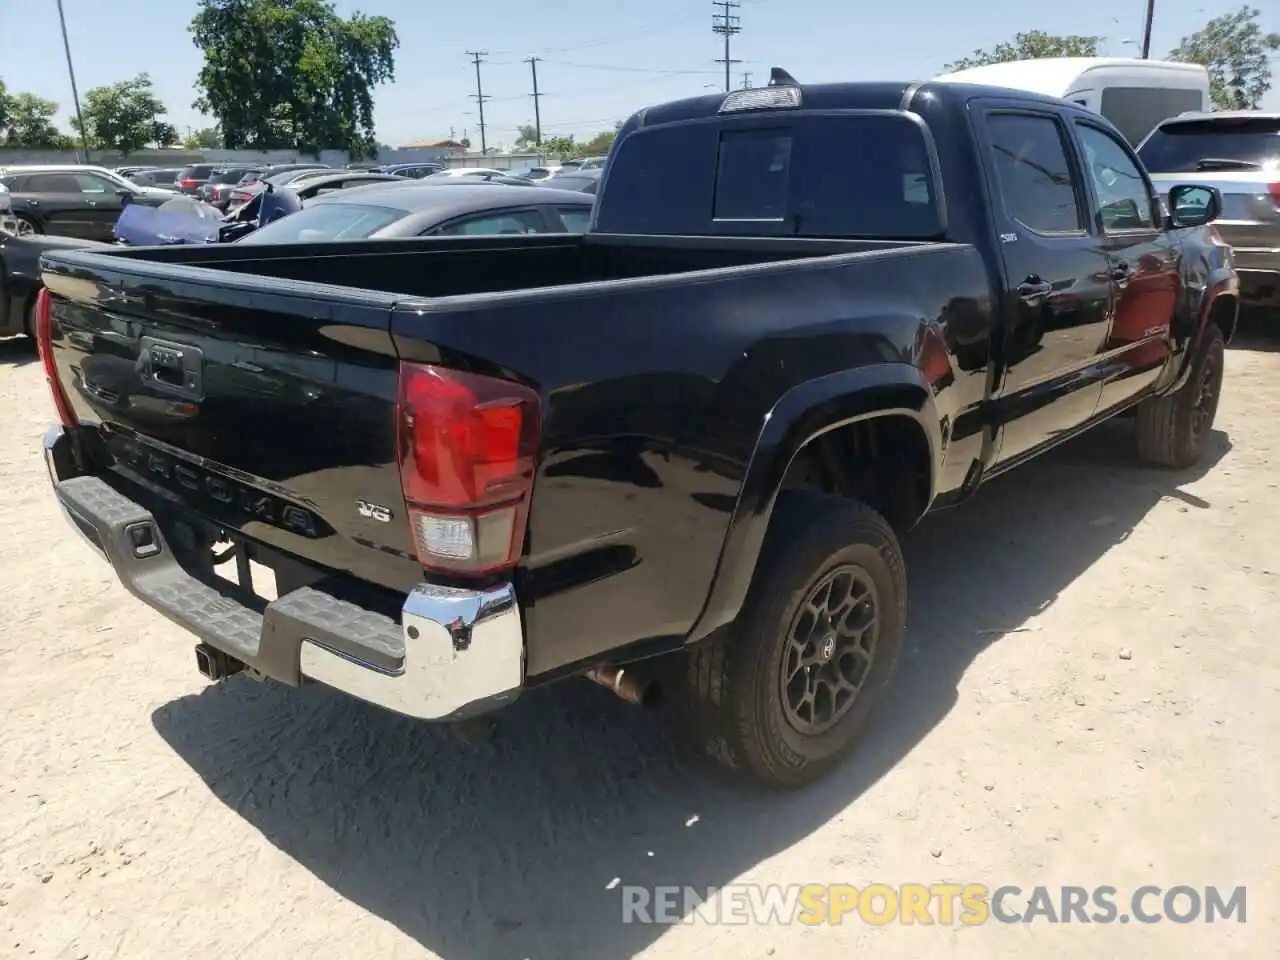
x=1237 y=151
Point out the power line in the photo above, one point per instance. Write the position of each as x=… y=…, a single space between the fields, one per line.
x=727 y=24
x=537 y=97
x=477 y=57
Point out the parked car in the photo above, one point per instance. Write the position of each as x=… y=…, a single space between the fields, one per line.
x=454 y=172
x=536 y=174
x=20 y=274
x=585 y=181
x=163 y=177
x=1238 y=153
x=217 y=190
x=394 y=210
x=192 y=178
x=679 y=449
x=584 y=163
x=251 y=183
x=415 y=171
x=72 y=200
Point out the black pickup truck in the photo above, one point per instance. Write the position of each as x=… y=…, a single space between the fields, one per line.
x=675 y=452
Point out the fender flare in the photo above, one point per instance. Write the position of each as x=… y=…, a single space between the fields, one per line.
x=1222 y=282
x=801 y=415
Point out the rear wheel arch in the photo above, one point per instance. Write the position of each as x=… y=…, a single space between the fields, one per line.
x=811 y=424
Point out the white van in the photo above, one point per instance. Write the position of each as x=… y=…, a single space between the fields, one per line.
x=1134 y=95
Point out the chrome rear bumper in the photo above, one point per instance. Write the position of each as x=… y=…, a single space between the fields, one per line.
x=453 y=653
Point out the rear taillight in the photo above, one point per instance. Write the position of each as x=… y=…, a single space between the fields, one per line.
x=466 y=446
x=186 y=182
x=1274 y=189
x=44 y=345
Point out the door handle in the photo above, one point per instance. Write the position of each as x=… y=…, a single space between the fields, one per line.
x=1034 y=287
x=33 y=203
x=92 y=203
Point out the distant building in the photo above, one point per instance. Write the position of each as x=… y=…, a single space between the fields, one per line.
x=446 y=147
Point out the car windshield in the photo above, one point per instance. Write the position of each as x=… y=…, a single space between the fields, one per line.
x=327 y=221
x=1183 y=147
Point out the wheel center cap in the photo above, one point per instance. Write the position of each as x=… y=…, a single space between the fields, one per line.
x=828 y=648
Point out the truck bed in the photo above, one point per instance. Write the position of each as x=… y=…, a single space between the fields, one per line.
x=657 y=357
x=459 y=266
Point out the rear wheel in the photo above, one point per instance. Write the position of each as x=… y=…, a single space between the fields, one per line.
x=784 y=694
x=1173 y=430
x=27 y=226
x=29 y=316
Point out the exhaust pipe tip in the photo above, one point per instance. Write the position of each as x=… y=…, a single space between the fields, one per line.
x=628 y=684
x=214 y=665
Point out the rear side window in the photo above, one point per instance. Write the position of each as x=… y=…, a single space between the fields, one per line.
x=1037 y=188
x=1180 y=147
x=1135 y=111
x=199 y=171
x=52 y=183
x=805 y=175
x=576 y=219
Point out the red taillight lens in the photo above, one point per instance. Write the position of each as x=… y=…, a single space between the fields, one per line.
x=466 y=446
x=187 y=182
x=44 y=346
x=1274 y=189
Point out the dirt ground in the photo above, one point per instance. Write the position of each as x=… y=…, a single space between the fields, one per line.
x=1089 y=695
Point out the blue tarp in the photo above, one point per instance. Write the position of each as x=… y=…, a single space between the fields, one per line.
x=180 y=220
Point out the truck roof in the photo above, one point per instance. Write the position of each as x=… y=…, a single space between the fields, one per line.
x=838 y=96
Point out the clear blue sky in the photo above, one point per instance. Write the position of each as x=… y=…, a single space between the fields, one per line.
x=602 y=58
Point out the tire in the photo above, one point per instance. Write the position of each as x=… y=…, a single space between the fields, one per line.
x=29 y=317
x=28 y=226
x=1173 y=430
x=732 y=697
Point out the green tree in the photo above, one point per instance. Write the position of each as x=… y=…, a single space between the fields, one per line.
x=125 y=117
x=1034 y=45
x=599 y=145
x=1235 y=51
x=4 y=108
x=292 y=73
x=207 y=138
x=29 y=123
x=527 y=137
x=562 y=147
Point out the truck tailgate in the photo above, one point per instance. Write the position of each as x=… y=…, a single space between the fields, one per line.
x=262 y=407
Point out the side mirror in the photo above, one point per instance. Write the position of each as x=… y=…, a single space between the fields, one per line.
x=1192 y=205
x=126 y=198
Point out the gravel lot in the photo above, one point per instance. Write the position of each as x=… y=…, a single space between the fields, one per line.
x=145 y=814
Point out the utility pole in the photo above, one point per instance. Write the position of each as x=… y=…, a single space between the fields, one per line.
x=1146 y=30
x=477 y=57
x=537 y=112
x=75 y=95
x=746 y=80
x=727 y=24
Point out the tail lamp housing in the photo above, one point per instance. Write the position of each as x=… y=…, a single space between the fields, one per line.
x=44 y=346
x=466 y=445
x=1274 y=190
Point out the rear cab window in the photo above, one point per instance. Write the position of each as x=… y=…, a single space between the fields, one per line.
x=1192 y=146
x=848 y=174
